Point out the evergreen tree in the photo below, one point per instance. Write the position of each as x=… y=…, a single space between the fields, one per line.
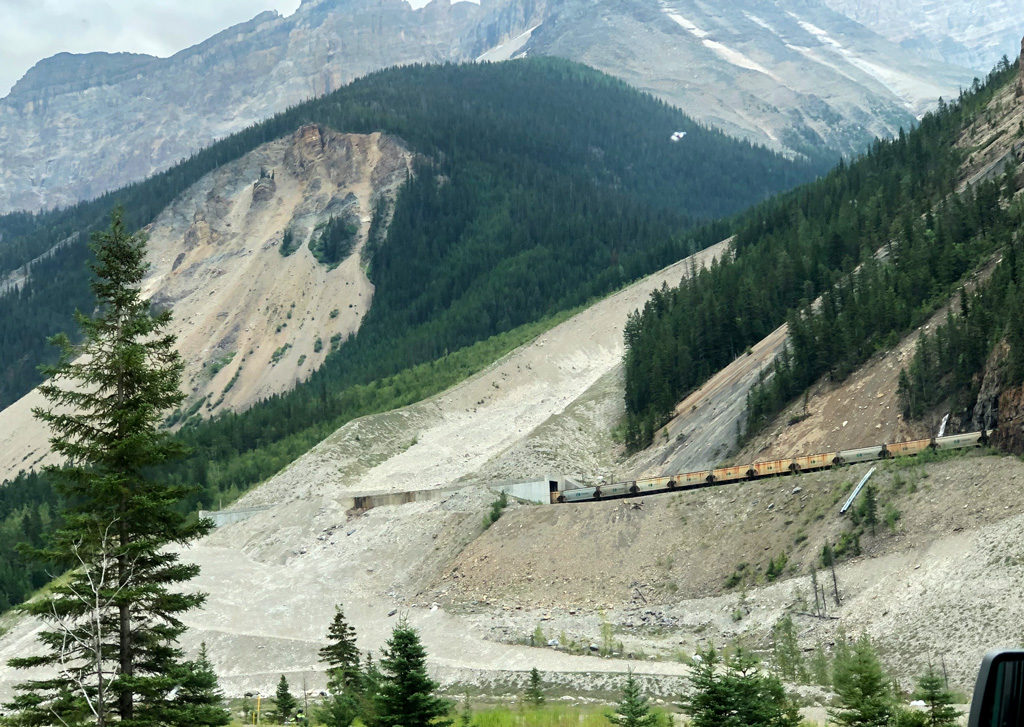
x=111 y=629
x=341 y=654
x=534 y=695
x=819 y=667
x=633 y=709
x=863 y=689
x=466 y=713
x=786 y=654
x=707 y=703
x=869 y=508
x=931 y=689
x=738 y=695
x=284 y=702
x=199 y=700
x=406 y=695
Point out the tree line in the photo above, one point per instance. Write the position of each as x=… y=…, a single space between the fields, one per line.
x=870 y=309
x=799 y=245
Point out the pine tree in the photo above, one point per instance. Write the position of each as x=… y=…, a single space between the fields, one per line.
x=284 y=702
x=708 y=702
x=738 y=696
x=534 y=695
x=406 y=695
x=819 y=667
x=199 y=700
x=633 y=709
x=111 y=629
x=869 y=508
x=341 y=654
x=931 y=689
x=862 y=687
x=786 y=652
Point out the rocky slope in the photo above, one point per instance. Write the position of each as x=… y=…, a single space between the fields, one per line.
x=970 y=33
x=274 y=578
x=249 y=321
x=793 y=75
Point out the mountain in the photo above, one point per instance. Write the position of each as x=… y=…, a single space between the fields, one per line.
x=374 y=246
x=968 y=33
x=790 y=74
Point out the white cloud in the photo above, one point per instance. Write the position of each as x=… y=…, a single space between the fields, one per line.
x=35 y=29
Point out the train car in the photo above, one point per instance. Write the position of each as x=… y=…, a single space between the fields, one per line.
x=769 y=468
x=690 y=480
x=616 y=489
x=578 y=495
x=652 y=484
x=863 y=454
x=906 y=449
x=960 y=441
x=729 y=474
x=813 y=462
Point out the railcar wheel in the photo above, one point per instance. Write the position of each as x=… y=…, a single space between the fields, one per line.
x=837 y=460
x=709 y=479
x=671 y=484
x=634 y=489
x=751 y=473
x=794 y=468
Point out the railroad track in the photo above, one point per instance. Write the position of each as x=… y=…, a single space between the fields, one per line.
x=760 y=470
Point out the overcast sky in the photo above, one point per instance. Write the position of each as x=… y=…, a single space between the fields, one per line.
x=31 y=30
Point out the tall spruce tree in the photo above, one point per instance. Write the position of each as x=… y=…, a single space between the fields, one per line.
x=344 y=680
x=111 y=627
x=341 y=654
x=633 y=709
x=406 y=693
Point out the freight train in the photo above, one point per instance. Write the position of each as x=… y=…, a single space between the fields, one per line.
x=757 y=470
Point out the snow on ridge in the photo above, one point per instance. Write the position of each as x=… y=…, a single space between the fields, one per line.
x=417 y=4
x=686 y=24
x=914 y=92
x=727 y=54
x=504 y=51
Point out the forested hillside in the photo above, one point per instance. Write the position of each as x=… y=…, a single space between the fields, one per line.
x=518 y=156
x=541 y=184
x=788 y=251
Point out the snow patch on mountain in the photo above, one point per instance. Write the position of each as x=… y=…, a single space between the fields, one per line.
x=727 y=54
x=914 y=91
x=507 y=50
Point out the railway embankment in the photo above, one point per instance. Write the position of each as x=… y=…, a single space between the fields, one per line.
x=940 y=566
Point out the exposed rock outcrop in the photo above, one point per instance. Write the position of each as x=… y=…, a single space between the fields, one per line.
x=1009 y=434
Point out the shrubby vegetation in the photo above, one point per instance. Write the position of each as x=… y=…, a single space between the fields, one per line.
x=799 y=245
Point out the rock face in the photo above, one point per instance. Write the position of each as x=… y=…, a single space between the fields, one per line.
x=970 y=33
x=249 y=321
x=790 y=74
x=1009 y=434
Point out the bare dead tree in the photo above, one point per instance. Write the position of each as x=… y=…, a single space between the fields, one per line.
x=78 y=619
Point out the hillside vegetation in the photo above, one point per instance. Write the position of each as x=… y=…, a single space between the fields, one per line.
x=898 y=199
x=540 y=185
x=548 y=181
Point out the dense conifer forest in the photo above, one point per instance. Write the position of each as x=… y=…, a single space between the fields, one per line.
x=541 y=185
x=898 y=199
